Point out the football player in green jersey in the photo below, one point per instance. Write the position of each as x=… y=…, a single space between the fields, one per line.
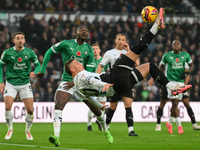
x=177 y=70
x=102 y=100
x=18 y=70
x=70 y=49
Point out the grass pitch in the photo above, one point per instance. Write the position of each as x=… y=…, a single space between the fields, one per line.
x=74 y=136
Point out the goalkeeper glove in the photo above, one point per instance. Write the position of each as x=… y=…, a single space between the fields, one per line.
x=184 y=75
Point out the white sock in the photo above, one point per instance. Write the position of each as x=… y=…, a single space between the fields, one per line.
x=178 y=121
x=154 y=29
x=108 y=126
x=101 y=119
x=171 y=120
x=90 y=116
x=9 y=119
x=130 y=129
x=57 y=122
x=29 y=122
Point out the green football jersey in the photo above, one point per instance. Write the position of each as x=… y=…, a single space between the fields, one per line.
x=96 y=62
x=70 y=49
x=175 y=65
x=18 y=65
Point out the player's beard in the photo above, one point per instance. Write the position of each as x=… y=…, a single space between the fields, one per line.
x=20 y=45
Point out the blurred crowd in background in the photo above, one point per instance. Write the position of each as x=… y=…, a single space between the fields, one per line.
x=42 y=34
x=100 y=6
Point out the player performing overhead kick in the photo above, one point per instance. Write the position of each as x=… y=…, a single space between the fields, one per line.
x=123 y=76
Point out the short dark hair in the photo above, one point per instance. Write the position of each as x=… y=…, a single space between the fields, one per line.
x=67 y=65
x=122 y=34
x=81 y=26
x=19 y=32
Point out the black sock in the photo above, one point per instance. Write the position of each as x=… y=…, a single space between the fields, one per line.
x=159 y=114
x=158 y=75
x=191 y=114
x=109 y=115
x=129 y=116
x=142 y=44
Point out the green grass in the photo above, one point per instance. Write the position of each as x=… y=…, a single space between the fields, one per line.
x=75 y=136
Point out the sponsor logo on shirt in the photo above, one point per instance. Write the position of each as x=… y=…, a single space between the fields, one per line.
x=72 y=48
x=77 y=58
x=19 y=66
x=176 y=65
x=86 y=52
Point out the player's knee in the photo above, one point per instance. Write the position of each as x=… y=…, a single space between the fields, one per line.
x=30 y=111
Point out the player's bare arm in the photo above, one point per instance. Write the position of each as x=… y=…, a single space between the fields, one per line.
x=99 y=69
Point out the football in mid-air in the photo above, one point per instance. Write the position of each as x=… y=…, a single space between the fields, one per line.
x=149 y=14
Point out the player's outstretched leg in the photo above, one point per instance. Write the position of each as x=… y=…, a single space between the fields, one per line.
x=54 y=140
x=181 y=89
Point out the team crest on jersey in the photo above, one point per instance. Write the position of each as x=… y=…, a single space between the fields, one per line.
x=78 y=53
x=177 y=60
x=86 y=52
x=25 y=57
x=19 y=59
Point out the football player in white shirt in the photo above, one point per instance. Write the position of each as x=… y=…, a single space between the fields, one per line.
x=102 y=100
x=109 y=58
x=123 y=75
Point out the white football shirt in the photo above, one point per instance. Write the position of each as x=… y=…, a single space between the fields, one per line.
x=111 y=56
x=90 y=84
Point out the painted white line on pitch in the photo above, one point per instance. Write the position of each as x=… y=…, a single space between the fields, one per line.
x=21 y=145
